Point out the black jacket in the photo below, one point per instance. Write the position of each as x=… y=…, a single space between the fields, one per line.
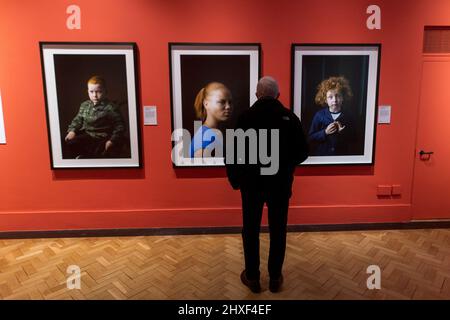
x=339 y=144
x=269 y=113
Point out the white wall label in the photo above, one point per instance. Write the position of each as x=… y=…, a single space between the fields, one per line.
x=374 y=20
x=150 y=116
x=74 y=20
x=2 y=125
x=384 y=114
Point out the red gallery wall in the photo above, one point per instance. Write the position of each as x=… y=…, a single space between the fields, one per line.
x=33 y=197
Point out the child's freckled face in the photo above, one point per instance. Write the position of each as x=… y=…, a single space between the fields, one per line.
x=96 y=92
x=334 y=100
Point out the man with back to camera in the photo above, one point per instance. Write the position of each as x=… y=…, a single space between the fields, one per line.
x=274 y=190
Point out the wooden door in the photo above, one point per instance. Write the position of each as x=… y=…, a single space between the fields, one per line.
x=431 y=183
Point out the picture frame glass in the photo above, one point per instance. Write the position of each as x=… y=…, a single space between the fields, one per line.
x=227 y=74
x=105 y=127
x=335 y=89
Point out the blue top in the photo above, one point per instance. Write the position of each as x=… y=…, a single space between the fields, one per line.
x=204 y=138
x=330 y=145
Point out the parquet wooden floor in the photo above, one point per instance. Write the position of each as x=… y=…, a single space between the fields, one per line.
x=415 y=264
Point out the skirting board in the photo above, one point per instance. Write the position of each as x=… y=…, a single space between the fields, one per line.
x=434 y=224
x=199 y=218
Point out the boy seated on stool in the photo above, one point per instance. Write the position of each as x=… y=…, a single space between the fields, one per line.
x=98 y=129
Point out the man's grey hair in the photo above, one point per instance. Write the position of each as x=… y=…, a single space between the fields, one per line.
x=267 y=87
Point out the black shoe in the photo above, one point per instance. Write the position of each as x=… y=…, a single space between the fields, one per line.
x=254 y=285
x=275 y=284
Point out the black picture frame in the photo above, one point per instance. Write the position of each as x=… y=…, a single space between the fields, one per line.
x=194 y=65
x=359 y=64
x=66 y=68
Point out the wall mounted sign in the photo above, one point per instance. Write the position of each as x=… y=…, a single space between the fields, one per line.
x=150 y=116
x=384 y=114
x=2 y=124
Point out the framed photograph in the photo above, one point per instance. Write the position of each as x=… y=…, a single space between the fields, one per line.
x=211 y=85
x=92 y=104
x=2 y=125
x=335 y=95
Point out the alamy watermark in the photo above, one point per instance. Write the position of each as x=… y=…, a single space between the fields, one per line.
x=263 y=146
x=74 y=279
x=374 y=280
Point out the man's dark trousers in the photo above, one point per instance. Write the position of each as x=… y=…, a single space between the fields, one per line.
x=277 y=201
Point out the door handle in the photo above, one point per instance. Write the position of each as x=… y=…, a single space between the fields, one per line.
x=425 y=153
